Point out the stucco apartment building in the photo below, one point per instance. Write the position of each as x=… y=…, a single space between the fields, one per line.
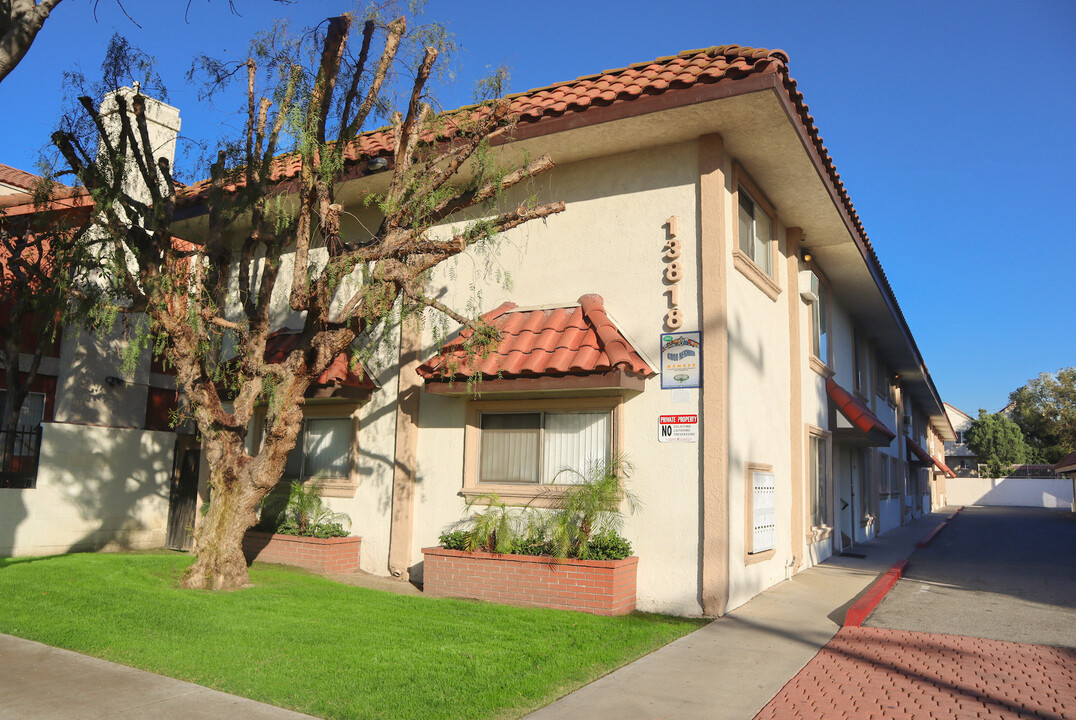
x=708 y=305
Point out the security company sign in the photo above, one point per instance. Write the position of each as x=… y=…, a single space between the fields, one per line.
x=678 y=428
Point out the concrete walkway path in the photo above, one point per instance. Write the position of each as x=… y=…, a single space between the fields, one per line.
x=732 y=667
x=45 y=683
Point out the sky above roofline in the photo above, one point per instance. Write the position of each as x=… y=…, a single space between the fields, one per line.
x=944 y=120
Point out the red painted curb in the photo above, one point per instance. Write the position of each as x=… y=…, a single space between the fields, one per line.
x=932 y=534
x=866 y=604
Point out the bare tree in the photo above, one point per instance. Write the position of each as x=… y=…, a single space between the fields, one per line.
x=211 y=298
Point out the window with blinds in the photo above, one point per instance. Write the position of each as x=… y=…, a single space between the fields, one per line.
x=323 y=450
x=763 y=511
x=538 y=447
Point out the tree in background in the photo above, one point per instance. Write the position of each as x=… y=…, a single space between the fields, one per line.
x=998 y=443
x=266 y=245
x=1045 y=410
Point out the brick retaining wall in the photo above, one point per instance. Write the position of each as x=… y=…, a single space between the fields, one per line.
x=322 y=555
x=602 y=587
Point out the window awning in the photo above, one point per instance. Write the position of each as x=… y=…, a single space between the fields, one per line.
x=337 y=380
x=916 y=449
x=943 y=467
x=855 y=410
x=565 y=347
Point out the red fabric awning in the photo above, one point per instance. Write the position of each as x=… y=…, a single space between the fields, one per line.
x=859 y=414
x=944 y=468
x=915 y=449
x=575 y=340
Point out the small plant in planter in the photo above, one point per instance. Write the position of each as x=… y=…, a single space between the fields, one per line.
x=584 y=522
x=584 y=565
x=303 y=514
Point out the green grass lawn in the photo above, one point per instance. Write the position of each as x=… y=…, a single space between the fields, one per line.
x=306 y=643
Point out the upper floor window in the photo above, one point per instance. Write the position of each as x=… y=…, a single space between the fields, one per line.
x=756 y=232
x=820 y=325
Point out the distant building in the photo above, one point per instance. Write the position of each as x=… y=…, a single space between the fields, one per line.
x=958 y=455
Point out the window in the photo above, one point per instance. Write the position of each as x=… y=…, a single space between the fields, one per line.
x=754 y=244
x=883 y=475
x=820 y=327
x=859 y=363
x=31 y=414
x=881 y=376
x=323 y=450
x=818 y=451
x=761 y=519
x=756 y=232
x=526 y=448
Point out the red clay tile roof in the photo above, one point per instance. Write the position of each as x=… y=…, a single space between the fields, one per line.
x=577 y=340
x=282 y=342
x=17 y=178
x=858 y=413
x=675 y=72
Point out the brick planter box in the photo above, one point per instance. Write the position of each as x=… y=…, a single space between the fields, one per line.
x=602 y=587
x=321 y=555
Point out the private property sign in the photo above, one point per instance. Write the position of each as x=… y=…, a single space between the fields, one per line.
x=678 y=428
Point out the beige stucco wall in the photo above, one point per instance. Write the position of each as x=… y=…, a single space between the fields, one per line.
x=608 y=241
x=97 y=488
x=759 y=397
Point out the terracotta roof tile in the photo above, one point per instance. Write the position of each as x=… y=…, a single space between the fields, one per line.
x=17 y=178
x=280 y=344
x=580 y=339
x=654 y=77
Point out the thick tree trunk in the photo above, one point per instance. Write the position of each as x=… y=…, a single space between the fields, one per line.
x=233 y=506
x=219 y=539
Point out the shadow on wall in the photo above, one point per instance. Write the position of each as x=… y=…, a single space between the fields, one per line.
x=97 y=488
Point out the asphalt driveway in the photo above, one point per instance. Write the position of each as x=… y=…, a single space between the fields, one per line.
x=998 y=573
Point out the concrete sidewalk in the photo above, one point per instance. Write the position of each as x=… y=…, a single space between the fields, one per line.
x=733 y=666
x=45 y=683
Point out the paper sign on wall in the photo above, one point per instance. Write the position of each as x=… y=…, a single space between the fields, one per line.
x=678 y=428
x=681 y=360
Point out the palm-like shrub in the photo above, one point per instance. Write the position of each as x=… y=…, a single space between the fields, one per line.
x=584 y=522
x=306 y=514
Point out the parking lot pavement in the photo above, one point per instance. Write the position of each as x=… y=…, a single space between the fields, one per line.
x=1000 y=573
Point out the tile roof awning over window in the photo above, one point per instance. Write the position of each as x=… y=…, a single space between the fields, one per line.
x=873 y=430
x=338 y=380
x=549 y=348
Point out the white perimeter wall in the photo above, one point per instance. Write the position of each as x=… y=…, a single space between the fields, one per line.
x=1022 y=492
x=97 y=488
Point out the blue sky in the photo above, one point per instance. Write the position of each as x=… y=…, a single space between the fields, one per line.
x=950 y=123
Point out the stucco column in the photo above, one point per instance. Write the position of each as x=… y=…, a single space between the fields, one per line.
x=714 y=491
x=409 y=391
x=796 y=363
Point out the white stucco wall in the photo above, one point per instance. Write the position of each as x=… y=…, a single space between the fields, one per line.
x=608 y=241
x=97 y=488
x=1018 y=492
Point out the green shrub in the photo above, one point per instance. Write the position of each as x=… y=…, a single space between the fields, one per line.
x=302 y=513
x=583 y=523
